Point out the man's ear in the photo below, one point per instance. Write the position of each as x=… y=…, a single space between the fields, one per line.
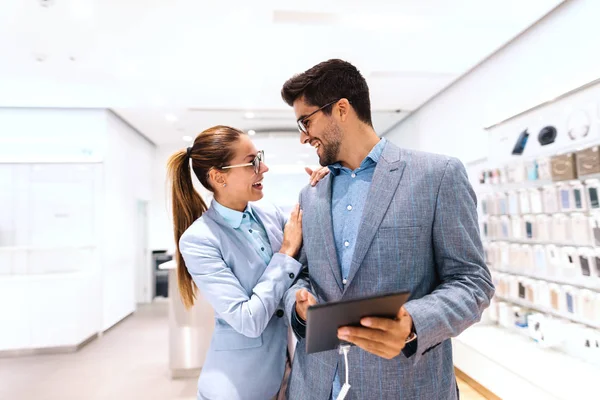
x=343 y=109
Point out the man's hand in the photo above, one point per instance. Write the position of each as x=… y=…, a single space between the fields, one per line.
x=304 y=300
x=381 y=336
x=317 y=174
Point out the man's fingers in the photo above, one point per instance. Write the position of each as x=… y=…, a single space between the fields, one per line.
x=376 y=348
x=311 y=299
x=308 y=171
x=303 y=295
x=382 y=324
x=373 y=335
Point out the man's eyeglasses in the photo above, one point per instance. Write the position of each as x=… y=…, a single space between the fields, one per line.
x=260 y=158
x=302 y=121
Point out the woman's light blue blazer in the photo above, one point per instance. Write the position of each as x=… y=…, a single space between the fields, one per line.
x=247 y=354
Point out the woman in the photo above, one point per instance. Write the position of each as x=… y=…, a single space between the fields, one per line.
x=241 y=257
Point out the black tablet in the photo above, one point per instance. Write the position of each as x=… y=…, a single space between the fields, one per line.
x=324 y=320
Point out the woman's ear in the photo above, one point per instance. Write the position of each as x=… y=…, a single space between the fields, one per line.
x=216 y=177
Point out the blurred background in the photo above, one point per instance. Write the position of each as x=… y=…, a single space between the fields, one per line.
x=96 y=95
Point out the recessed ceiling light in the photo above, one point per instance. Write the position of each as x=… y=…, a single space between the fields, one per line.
x=187 y=138
x=251 y=132
x=171 y=117
x=249 y=115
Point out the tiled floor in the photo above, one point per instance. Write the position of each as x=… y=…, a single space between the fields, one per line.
x=130 y=362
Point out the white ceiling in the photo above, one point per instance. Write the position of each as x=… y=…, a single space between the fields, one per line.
x=149 y=59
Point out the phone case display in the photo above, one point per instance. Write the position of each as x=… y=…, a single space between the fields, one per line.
x=560 y=228
x=505 y=227
x=545 y=251
x=532 y=171
x=517 y=228
x=586 y=259
x=592 y=194
x=554 y=261
x=540 y=261
x=517 y=173
x=588 y=161
x=596 y=264
x=586 y=305
x=527 y=259
x=513 y=203
x=550 y=199
x=504 y=252
x=502 y=204
x=565 y=196
x=535 y=201
x=544 y=228
x=570 y=263
x=544 y=169
x=579 y=197
x=563 y=167
x=555 y=297
x=524 y=201
x=594 y=230
x=570 y=299
x=580 y=232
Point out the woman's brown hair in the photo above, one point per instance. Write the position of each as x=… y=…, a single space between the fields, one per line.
x=213 y=148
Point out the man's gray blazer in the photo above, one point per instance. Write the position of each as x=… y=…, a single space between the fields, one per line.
x=419 y=232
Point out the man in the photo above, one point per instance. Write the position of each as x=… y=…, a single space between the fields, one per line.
x=384 y=219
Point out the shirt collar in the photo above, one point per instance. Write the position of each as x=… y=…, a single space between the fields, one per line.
x=371 y=158
x=232 y=217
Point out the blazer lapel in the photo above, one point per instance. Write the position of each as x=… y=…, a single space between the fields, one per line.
x=386 y=178
x=325 y=223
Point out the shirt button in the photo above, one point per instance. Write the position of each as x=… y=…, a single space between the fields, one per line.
x=262 y=249
x=280 y=313
x=353 y=175
x=346 y=243
x=292 y=276
x=349 y=208
x=244 y=216
x=250 y=231
x=345 y=281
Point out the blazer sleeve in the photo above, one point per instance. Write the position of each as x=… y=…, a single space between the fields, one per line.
x=289 y=299
x=248 y=314
x=466 y=286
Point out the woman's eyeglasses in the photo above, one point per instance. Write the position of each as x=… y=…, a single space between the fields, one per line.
x=260 y=158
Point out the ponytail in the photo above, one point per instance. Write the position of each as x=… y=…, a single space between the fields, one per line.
x=187 y=206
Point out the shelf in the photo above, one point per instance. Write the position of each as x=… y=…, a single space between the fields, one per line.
x=513 y=366
x=538 y=184
x=534 y=242
x=549 y=311
x=590 y=286
x=587 y=212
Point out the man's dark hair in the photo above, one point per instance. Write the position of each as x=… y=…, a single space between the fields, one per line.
x=330 y=81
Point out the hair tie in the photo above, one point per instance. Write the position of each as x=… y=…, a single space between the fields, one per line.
x=189 y=152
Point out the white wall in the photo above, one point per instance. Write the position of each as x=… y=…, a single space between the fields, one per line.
x=69 y=248
x=49 y=262
x=556 y=55
x=128 y=180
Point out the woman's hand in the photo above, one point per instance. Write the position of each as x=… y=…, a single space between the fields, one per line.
x=317 y=174
x=292 y=234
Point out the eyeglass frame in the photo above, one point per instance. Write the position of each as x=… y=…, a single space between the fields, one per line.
x=260 y=156
x=300 y=121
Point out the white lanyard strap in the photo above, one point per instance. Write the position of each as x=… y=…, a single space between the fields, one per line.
x=346 y=387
